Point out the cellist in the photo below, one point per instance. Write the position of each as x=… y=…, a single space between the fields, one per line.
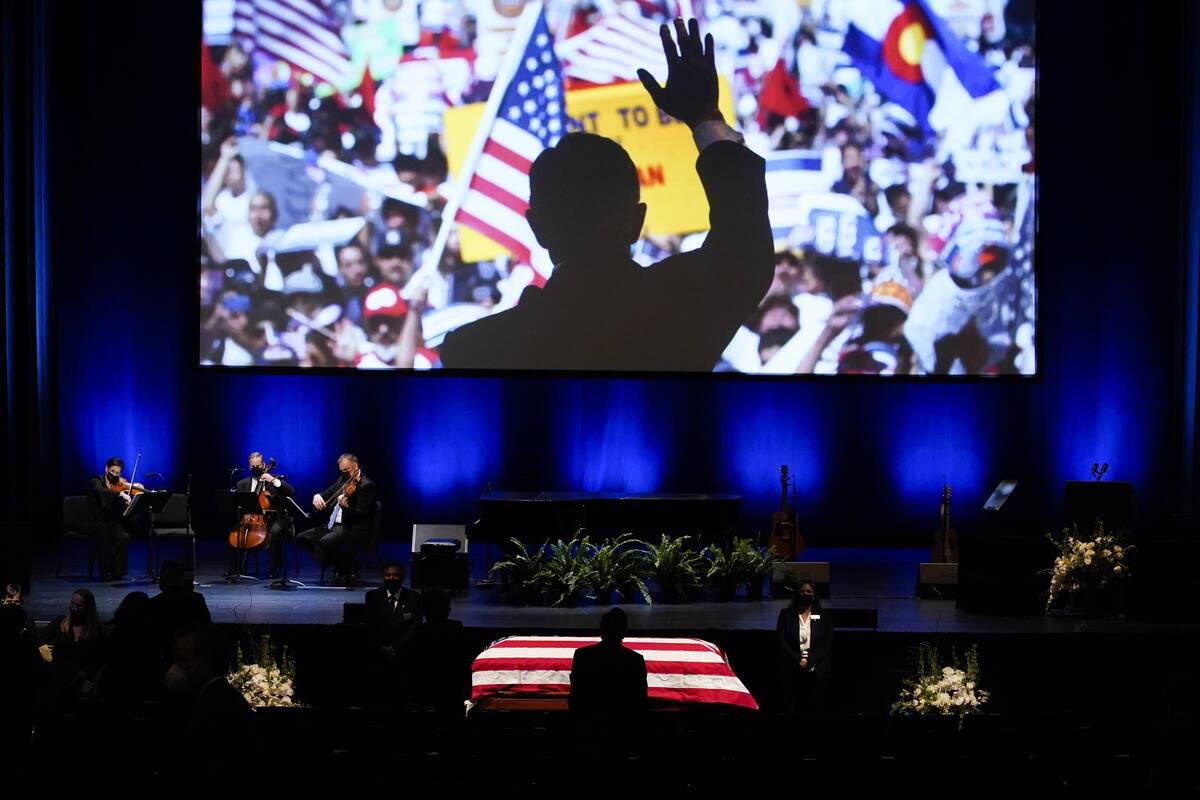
x=280 y=523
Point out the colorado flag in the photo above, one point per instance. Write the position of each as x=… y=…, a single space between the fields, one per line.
x=907 y=51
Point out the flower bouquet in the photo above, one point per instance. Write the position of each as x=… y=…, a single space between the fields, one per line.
x=935 y=689
x=266 y=682
x=1087 y=568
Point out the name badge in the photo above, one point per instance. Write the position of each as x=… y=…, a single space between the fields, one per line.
x=814 y=616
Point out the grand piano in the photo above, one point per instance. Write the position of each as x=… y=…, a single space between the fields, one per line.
x=538 y=516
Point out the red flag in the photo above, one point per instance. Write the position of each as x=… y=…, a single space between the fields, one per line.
x=781 y=94
x=214 y=88
x=366 y=90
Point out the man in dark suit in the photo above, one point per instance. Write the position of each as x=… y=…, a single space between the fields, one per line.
x=805 y=639
x=393 y=612
x=608 y=680
x=272 y=486
x=104 y=520
x=352 y=500
x=602 y=311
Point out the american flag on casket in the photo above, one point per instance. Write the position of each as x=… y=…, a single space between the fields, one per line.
x=677 y=670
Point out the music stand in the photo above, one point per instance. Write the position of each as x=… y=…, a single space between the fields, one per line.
x=287 y=505
x=237 y=505
x=152 y=503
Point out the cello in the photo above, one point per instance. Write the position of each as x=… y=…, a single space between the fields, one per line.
x=253 y=531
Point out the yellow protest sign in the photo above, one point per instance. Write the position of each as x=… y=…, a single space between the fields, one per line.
x=661 y=149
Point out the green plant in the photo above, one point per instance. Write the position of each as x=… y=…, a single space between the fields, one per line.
x=621 y=566
x=760 y=561
x=733 y=565
x=519 y=573
x=676 y=566
x=566 y=571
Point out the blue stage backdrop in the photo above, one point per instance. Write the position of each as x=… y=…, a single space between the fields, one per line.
x=868 y=457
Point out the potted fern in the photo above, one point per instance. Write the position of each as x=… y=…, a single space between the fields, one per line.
x=619 y=569
x=758 y=568
x=566 y=571
x=728 y=568
x=518 y=574
x=676 y=566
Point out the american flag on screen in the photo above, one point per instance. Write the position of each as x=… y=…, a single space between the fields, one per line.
x=677 y=670
x=301 y=32
x=529 y=118
x=612 y=49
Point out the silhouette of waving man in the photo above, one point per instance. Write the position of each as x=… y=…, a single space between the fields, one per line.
x=600 y=310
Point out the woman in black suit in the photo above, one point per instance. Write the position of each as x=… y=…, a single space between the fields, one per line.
x=805 y=638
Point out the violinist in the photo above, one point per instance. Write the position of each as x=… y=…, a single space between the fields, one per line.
x=280 y=522
x=108 y=496
x=351 y=501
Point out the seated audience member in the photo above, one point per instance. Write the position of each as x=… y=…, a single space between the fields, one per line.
x=805 y=639
x=22 y=673
x=134 y=664
x=176 y=608
x=78 y=646
x=440 y=673
x=214 y=715
x=608 y=680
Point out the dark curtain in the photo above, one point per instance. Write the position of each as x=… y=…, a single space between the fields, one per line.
x=29 y=402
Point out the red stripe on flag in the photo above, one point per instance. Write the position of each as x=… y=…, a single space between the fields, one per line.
x=498 y=193
x=719 y=696
x=519 y=249
x=632 y=645
x=564 y=664
x=510 y=157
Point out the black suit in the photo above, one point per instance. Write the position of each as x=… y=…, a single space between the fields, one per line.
x=804 y=689
x=281 y=521
x=678 y=315
x=339 y=544
x=388 y=625
x=104 y=522
x=608 y=682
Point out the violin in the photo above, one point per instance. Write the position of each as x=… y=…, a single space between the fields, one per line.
x=253 y=531
x=122 y=485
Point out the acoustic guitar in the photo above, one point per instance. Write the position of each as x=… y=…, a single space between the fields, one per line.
x=945 y=539
x=785 y=533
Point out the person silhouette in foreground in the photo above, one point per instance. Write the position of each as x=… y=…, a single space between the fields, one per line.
x=600 y=310
x=608 y=680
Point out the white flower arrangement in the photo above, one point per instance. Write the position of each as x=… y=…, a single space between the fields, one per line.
x=267 y=682
x=941 y=690
x=1087 y=563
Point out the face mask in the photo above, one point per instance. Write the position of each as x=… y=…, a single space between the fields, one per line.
x=392 y=585
x=804 y=600
x=176 y=680
x=259 y=470
x=78 y=616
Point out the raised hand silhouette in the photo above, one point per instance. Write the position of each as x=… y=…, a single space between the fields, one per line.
x=690 y=94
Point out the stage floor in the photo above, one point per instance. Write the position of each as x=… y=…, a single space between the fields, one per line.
x=878 y=579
